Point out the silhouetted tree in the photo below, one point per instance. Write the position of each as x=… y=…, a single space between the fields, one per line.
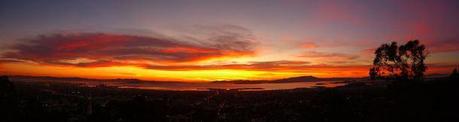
x=7 y=99
x=400 y=62
x=387 y=62
x=454 y=75
x=373 y=73
x=6 y=87
x=412 y=55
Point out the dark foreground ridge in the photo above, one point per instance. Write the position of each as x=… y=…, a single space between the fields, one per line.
x=433 y=100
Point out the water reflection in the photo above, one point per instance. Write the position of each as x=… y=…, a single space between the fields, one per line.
x=177 y=86
x=232 y=86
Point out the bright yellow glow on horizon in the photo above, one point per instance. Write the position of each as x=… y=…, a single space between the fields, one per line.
x=191 y=75
x=140 y=73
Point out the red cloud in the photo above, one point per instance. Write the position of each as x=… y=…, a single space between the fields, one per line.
x=103 y=49
x=329 y=56
x=186 y=50
x=283 y=65
x=448 y=45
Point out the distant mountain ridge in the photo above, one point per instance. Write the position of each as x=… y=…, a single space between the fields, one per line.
x=298 y=79
x=289 y=80
x=283 y=80
x=70 y=79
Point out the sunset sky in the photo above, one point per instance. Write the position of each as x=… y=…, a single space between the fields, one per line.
x=207 y=40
